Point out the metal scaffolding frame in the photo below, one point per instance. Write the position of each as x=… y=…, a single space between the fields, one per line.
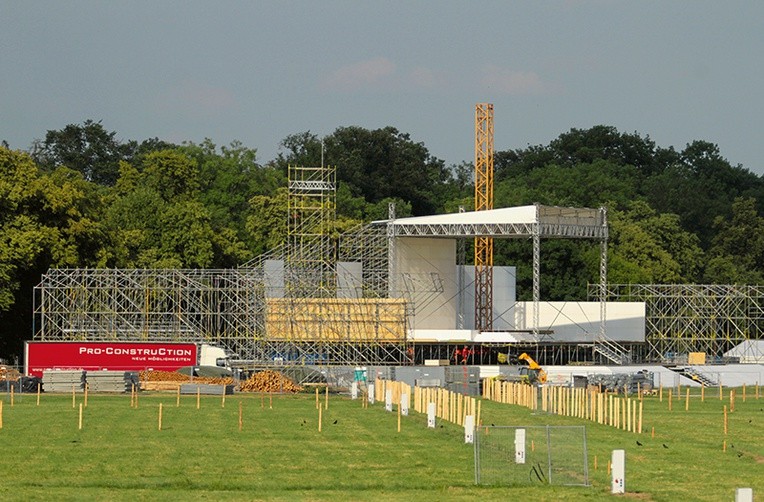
x=684 y=318
x=317 y=299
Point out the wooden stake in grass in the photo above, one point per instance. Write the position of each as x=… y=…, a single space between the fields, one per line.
x=222 y=400
x=595 y=462
x=660 y=393
x=317 y=403
x=732 y=400
x=86 y=395
x=320 y=410
x=687 y=399
x=262 y=401
x=160 y=417
x=38 y=393
x=639 y=420
x=240 y=416
x=326 y=399
x=478 y=413
x=702 y=393
x=1 y=414
x=74 y=405
x=399 y=417
x=725 y=419
x=608 y=467
x=652 y=432
x=721 y=396
x=198 y=397
x=669 y=399
x=79 y=426
x=724 y=445
x=12 y=391
x=743 y=392
x=177 y=398
x=270 y=401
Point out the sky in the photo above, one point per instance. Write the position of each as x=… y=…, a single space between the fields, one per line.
x=258 y=71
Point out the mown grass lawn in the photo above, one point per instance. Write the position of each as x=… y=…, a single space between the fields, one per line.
x=279 y=454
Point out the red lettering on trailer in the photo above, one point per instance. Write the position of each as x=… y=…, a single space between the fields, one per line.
x=117 y=356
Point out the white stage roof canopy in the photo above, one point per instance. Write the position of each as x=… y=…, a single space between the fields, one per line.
x=509 y=222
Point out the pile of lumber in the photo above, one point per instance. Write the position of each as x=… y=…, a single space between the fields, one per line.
x=170 y=380
x=269 y=381
x=9 y=374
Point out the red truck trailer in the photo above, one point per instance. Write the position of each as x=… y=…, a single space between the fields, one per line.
x=116 y=356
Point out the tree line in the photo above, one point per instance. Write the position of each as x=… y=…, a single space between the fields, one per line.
x=82 y=198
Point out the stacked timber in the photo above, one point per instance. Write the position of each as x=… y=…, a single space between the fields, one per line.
x=171 y=380
x=63 y=380
x=269 y=381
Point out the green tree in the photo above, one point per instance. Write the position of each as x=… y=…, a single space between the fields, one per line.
x=737 y=253
x=88 y=148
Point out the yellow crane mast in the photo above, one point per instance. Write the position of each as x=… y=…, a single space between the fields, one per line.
x=483 y=201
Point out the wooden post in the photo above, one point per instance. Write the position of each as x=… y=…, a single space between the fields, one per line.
x=478 y=412
x=744 y=392
x=12 y=392
x=320 y=410
x=639 y=422
x=652 y=432
x=326 y=397
x=660 y=393
x=222 y=400
x=724 y=445
x=198 y=398
x=86 y=394
x=670 y=399
x=270 y=401
x=399 y=417
x=317 y=403
x=73 y=398
x=79 y=423
x=177 y=397
x=595 y=462
x=240 y=416
x=38 y=393
x=721 y=397
x=136 y=398
x=687 y=399
x=1 y=414
x=160 y=417
x=732 y=400
x=608 y=467
x=725 y=419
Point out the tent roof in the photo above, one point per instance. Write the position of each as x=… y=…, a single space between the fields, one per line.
x=509 y=222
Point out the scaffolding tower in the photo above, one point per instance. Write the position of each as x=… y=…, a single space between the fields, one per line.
x=684 y=318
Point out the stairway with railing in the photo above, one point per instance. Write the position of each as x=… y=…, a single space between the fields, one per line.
x=611 y=350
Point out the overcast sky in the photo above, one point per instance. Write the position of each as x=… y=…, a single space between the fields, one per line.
x=257 y=71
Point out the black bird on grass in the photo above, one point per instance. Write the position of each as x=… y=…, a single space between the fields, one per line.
x=335 y=422
x=664 y=445
x=639 y=444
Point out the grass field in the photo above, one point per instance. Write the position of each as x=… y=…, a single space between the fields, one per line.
x=200 y=454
